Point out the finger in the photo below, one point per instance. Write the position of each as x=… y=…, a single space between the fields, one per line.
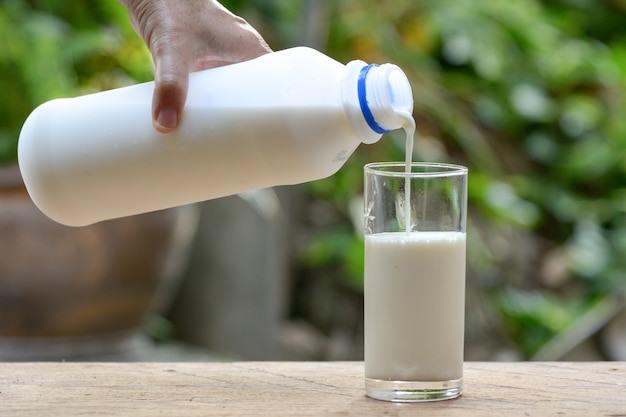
x=170 y=91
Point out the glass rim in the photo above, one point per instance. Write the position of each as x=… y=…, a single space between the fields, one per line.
x=398 y=169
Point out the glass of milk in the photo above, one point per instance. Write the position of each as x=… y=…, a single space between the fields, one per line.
x=415 y=218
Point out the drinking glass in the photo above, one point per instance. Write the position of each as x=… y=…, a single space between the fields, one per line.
x=414 y=280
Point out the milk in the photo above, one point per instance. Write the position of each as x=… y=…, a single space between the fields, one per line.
x=408 y=124
x=414 y=306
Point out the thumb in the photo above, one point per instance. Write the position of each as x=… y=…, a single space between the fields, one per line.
x=170 y=91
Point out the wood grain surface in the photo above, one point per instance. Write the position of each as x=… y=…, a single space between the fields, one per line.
x=300 y=389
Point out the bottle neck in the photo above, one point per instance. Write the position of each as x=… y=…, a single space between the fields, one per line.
x=374 y=95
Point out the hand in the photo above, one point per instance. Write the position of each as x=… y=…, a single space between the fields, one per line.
x=184 y=36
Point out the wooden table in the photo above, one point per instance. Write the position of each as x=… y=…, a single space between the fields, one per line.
x=300 y=389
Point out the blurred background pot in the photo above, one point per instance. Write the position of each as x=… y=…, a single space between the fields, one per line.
x=73 y=292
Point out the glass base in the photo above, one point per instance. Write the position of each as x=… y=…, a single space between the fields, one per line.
x=413 y=391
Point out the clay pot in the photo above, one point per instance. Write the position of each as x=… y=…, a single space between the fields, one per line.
x=71 y=291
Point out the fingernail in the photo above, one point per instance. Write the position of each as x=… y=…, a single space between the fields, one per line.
x=167 y=118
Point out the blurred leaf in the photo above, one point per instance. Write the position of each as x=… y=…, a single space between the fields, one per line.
x=338 y=247
x=588 y=251
x=586 y=160
x=535 y=317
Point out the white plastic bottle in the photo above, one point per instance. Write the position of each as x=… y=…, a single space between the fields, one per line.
x=284 y=118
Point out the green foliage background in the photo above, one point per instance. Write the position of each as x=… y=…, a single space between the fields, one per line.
x=529 y=94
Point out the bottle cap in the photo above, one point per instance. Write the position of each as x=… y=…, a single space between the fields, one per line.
x=383 y=92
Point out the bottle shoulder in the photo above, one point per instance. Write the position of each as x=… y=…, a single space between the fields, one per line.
x=293 y=76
